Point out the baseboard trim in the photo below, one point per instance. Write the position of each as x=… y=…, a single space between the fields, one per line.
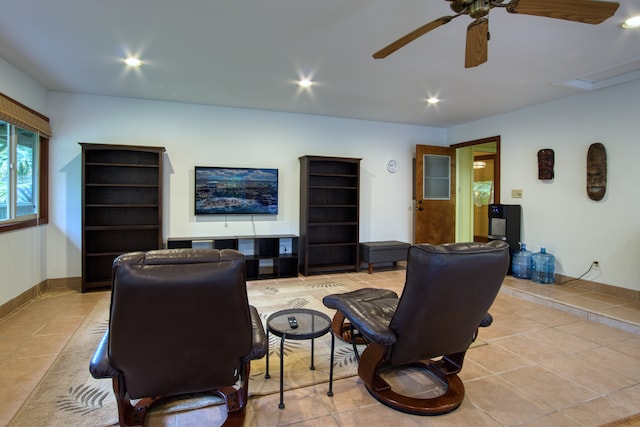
x=30 y=294
x=74 y=283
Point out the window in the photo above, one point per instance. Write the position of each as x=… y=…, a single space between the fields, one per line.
x=436 y=177
x=18 y=173
x=23 y=166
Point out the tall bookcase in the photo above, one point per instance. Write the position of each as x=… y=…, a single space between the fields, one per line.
x=121 y=206
x=329 y=214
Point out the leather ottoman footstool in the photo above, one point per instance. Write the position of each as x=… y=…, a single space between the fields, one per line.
x=340 y=326
x=385 y=251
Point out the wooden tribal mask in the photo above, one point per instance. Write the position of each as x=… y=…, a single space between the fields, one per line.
x=596 y=171
x=546 y=160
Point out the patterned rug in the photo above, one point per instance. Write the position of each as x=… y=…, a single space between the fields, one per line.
x=271 y=298
x=69 y=396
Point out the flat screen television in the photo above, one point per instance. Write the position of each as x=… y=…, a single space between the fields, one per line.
x=230 y=191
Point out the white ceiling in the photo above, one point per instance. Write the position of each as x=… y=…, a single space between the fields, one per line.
x=248 y=53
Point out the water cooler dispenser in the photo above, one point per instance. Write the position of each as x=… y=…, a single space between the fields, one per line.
x=504 y=224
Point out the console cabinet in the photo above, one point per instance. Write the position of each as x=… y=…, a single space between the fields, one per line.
x=121 y=206
x=329 y=214
x=266 y=257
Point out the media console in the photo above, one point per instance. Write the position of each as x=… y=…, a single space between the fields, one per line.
x=266 y=257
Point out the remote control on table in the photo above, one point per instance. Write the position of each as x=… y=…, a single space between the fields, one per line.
x=293 y=322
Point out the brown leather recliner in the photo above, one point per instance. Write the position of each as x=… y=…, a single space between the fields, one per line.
x=446 y=297
x=180 y=322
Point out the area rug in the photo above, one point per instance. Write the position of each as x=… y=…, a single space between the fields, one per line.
x=69 y=396
x=297 y=354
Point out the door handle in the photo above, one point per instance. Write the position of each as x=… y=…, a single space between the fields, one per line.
x=419 y=207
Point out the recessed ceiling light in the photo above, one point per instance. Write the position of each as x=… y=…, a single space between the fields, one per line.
x=433 y=100
x=305 y=83
x=633 y=22
x=133 y=62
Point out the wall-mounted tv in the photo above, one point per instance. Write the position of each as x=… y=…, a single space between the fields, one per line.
x=230 y=191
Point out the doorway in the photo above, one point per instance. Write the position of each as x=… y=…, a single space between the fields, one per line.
x=474 y=184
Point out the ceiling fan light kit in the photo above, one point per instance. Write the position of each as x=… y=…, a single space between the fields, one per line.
x=586 y=11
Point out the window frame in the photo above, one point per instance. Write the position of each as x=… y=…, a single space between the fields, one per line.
x=42 y=170
x=17 y=114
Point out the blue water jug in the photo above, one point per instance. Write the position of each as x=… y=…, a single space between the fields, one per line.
x=543 y=267
x=521 y=263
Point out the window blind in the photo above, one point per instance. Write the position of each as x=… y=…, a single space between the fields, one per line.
x=22 y=116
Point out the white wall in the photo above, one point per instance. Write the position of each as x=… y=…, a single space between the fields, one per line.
x=22 y=260
x=558 y=214
x=17 y=85
x=203 y=135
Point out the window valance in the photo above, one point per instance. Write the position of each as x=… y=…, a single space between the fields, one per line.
x=20 y=115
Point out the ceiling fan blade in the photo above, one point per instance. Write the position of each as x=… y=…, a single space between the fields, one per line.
x=402 y=41
x=587 y=11
x=477 y=43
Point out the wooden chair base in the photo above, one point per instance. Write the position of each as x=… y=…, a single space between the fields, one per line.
x=342 y=329
x=134 y=415
x=372 y=360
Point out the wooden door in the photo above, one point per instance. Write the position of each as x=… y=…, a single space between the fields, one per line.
x=435 y=183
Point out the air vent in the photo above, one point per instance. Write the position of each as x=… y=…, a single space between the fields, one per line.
x=605 y=77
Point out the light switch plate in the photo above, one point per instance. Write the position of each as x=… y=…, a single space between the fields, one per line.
x=516 y=194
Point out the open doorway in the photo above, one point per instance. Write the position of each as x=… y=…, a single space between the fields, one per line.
x=451 y=197
x=478 y=166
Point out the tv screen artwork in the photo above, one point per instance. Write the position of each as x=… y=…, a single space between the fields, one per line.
x=236 y=190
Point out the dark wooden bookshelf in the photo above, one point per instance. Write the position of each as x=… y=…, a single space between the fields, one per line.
x=121 y=206
x=329 y=214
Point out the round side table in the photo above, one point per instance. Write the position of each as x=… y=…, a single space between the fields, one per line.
x=311 y=325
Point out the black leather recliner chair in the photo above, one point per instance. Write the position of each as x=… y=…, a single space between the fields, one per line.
x=180 y=323
x=447 y=294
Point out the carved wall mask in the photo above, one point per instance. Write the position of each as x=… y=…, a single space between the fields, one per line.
x=546 y=160
x=596 y=171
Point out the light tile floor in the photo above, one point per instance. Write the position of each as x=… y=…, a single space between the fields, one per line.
x=551 y=359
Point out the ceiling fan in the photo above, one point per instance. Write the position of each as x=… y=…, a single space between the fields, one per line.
x=587 y=11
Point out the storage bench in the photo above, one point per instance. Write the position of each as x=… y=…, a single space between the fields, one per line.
x=386 y=251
